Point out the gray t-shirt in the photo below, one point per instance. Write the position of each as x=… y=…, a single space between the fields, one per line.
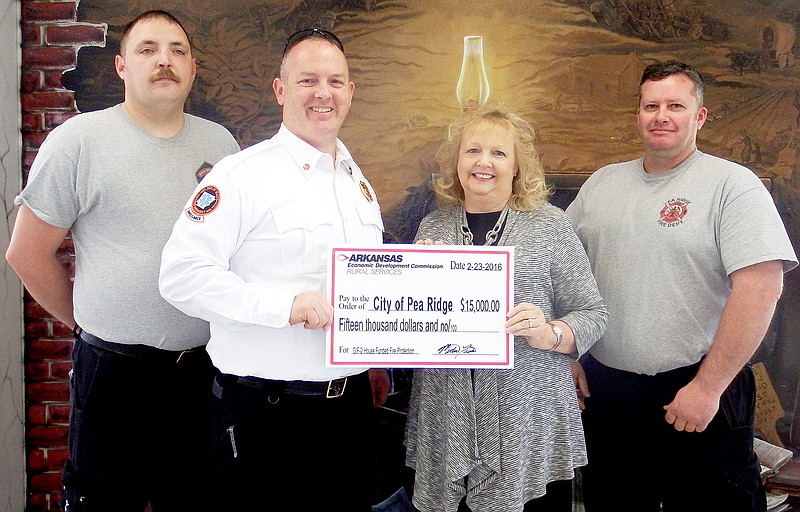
x=661 y=248
x=120 y=189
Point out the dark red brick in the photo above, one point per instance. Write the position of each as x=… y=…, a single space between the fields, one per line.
x=44 y=482
x=37 y=414
x=69 y=266
x=48 y=437
x=82 y=34
x=35 y=310
x=56 y=457
x=31 y=35
x=47 y=392
x=58 y=414
x=33 y=140
x=55 y=500
x=31 y=80
x=37 y=329
x=51 y=120
x=38 y=501
x=36 y=460
x=32 y=122
x=27 y=159
x=53 y=79
x=49 y=11
x=60 y=371
x=67 y=247
x=49 y=350
x=56 y=100
x=37 y=371
x=46 y=57
x=60 y=330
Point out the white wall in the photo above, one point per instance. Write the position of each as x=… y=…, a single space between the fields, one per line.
x=12 y=411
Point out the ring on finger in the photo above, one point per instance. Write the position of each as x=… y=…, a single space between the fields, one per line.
x=529 y=323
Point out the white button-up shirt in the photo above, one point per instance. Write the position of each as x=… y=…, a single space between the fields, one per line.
x=254 y=235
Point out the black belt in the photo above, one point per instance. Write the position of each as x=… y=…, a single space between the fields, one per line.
x=328 y=388
x=137 y=351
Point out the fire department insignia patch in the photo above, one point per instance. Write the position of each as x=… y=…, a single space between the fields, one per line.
x=205 y=201
x=673 y=212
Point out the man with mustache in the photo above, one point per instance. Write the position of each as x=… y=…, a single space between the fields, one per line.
x=116 y=179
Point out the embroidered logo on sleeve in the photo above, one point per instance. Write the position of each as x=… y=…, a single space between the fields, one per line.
x=205 y=201
x=673 y=212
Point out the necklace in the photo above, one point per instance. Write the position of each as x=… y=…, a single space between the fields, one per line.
x=491 y=235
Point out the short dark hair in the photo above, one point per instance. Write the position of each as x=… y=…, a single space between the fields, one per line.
x=661 y=70
x=309 y=33
x=150 y=15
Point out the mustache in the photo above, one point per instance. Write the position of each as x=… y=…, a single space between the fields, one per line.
x=164 y=73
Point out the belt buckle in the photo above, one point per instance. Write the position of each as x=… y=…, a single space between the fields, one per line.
x=336 y=388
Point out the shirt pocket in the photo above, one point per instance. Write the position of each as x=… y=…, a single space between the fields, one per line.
x=371 y=222
x=304 y=233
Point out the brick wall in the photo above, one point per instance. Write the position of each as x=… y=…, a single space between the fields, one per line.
x=51 y=38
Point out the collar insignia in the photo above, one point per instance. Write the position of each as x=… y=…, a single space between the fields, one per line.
x=365 y=191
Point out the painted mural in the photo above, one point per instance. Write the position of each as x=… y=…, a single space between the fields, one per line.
x=570 y=67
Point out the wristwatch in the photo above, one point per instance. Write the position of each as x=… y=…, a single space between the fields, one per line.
x=559 y=334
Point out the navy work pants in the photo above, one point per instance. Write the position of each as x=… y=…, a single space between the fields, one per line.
x=140 y=431
x=306 y=453
x=638 y=460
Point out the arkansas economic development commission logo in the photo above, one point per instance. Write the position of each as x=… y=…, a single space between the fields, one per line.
x=367 y=263
x=370 y=258
x=673 y=212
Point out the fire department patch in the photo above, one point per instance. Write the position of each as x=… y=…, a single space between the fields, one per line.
x=673 y=212
x=206 y=200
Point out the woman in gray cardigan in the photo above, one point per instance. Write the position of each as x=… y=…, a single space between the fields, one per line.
x=506 y=440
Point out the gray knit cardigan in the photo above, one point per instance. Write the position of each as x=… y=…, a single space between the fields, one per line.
x=503 y=437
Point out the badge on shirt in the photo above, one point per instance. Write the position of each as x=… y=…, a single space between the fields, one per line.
x=365 y=191
x=201 y=172
x=205 y=201
x=673 y=212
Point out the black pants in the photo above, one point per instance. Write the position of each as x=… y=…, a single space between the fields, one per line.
x=139 y=432
x=557 y=498
x=638 y=460
x=306 y=453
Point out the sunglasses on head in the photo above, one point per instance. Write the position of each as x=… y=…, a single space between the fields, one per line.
x=301 y=35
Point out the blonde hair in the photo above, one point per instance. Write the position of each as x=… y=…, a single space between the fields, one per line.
x=528 y=190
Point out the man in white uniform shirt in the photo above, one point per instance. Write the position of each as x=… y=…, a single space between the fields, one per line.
x=249 y=255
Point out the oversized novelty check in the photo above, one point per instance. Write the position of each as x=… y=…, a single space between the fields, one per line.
x=420 y=306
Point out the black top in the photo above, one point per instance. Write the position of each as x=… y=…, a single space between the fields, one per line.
x=482 y=223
